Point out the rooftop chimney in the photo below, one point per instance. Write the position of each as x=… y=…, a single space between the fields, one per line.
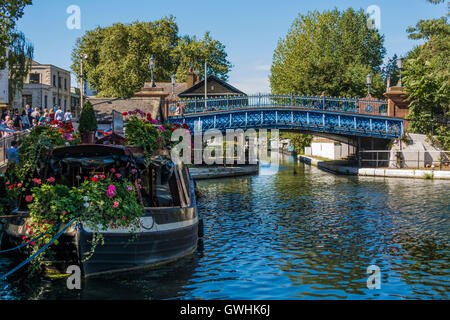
x=190 y=78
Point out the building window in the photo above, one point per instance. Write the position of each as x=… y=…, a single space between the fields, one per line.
x=27 y=99
x=46 y=101
x=54 y=80
x=65 y=104
x=54 y=101
x=59 y=102
x=65 y=84
x=34 y=78
x=59 y=82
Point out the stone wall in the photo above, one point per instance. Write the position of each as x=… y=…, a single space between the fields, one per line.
x=105 y=106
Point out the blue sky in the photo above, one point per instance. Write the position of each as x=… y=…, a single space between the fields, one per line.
x=250 y=29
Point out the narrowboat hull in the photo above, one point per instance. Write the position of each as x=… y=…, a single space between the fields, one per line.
x=123 y=251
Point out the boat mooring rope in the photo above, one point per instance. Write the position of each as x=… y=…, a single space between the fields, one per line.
x=31 y=241
x=39 y=251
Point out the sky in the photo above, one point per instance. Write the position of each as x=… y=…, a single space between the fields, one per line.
x=249 y=29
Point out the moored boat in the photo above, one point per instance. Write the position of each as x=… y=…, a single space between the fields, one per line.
x=167 y=230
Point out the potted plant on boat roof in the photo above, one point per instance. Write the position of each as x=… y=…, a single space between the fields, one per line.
x=88 y=124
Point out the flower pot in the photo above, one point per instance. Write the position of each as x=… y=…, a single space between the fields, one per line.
x=88 y=137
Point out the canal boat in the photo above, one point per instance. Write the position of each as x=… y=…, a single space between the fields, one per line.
x=168 y=230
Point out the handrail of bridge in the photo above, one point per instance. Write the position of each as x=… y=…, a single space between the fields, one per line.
x=186 y=107
x=5 y=144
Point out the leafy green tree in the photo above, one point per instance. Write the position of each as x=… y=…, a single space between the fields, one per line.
x=118 y=55
x=391 y=70
x=194 y=52
x=19 y=60
x=298 y=140
x=426 y=78
x=331 y=51
x=10 y=12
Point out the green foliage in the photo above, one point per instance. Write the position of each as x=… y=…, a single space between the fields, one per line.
x=33 y=152
x=10 y=12
x=331 y=51
x=391 y=69
x=88 y=119
x=19 y=61
x=194 y=52
x=91 y=203
x=143 y=135
x=298 y=140
x=426 y=78
x=118 y=55
x=6 y=203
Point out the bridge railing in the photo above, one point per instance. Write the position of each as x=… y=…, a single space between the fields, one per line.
x=416 y=159
x=229 y=103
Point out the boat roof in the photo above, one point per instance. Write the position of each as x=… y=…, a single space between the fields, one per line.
x=92 y=150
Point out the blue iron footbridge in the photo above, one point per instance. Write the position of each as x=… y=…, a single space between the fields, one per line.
x=357 y=117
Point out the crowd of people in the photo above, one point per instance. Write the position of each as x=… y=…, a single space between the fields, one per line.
x=13 y=121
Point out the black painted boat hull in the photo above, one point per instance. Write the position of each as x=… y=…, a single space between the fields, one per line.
x=122 y=252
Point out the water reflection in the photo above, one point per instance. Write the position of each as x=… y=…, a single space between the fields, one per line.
x=298 y=234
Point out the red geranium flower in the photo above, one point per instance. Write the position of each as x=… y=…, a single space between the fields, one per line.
x=125 y=114
x=94 y=179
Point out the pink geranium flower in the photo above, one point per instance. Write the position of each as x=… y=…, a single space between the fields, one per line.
x=29 y=199
x=116 y=205
x=111 y=191
x=51 y=180
x=112 y=170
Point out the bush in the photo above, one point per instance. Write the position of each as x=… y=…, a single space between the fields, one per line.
x=88 y=119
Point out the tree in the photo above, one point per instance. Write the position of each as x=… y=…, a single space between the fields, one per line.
x=331 y=51
x=19 y=61
x=298 y=140
x=10 y=12
x=391 y=70
x=194 y=52
x=426 y=78
x=88 y=119
x=118 y=55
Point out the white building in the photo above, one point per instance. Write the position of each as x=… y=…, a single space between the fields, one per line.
x=4 y=82
x=329 y=149
x=46 y=86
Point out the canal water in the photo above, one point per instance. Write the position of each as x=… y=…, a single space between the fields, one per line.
x=293 y=232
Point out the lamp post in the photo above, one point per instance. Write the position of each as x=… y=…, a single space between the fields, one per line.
x=206 y=85
x=400 y=66
x=152 y=68
x=369 y=82
x=82 y=58
x=174 y=81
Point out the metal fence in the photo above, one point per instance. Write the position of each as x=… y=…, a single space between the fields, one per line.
x=5 y=144
x=417 y=159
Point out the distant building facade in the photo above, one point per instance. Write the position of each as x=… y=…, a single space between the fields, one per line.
x=46 y=86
